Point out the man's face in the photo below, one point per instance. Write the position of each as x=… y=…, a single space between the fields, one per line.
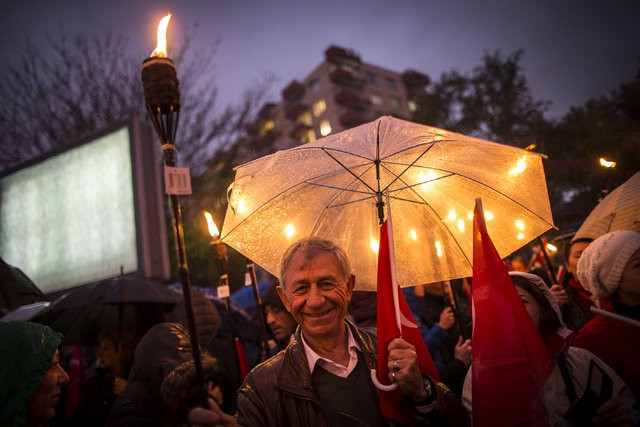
x=42 y=402
x=281 y=323
x=575 y=252
x=107 y=354
x=316 y=294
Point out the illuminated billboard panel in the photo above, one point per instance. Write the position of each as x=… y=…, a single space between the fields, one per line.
x=88 y=213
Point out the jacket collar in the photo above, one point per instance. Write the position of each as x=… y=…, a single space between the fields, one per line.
x=294 y=376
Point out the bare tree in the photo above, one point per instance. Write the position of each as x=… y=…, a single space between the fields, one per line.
x=73 y=86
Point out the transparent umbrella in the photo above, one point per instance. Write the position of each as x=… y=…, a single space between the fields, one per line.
x=619 y=210
x=334 y=188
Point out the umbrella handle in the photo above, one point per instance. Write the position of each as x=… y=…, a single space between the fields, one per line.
x=379 y=385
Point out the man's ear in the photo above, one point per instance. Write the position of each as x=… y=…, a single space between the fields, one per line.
x=351 y=284
x=283 y=297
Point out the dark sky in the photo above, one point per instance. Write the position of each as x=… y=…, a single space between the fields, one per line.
x=574 y=49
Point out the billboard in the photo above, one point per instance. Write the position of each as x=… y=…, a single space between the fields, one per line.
x=89 y=212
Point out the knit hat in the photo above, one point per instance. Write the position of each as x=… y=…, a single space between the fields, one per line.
x=601 y=264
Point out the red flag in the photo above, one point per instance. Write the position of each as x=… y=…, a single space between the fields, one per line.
x=510 y=362
x=388 y=330
x=243 y=364
x=76 y=376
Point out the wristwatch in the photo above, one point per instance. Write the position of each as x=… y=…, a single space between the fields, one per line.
x=429 y=402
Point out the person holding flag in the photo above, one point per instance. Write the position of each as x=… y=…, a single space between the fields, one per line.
x=523 y=370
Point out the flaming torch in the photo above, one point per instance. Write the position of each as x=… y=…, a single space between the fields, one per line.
x=219 y=251
x=162 y=98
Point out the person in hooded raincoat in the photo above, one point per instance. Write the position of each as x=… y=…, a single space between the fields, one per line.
x=570 y=374
x=31 y=378
x=162 y=384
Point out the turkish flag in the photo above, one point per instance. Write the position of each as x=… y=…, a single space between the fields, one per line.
x=510 y=362
x=390 y=300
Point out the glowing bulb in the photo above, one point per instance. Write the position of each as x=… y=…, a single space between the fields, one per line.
x=452 y=215
x=375 y=245
x=520 y=225
x=413 y=234
x=438 y=248
x=470 y=216
x=425 y=178
x=242 y=206
x=289 y=230
x=607 y=164
x=520 y=166
x=520 y=236
x=488 y=215
x=551 y=248
x=461 y=225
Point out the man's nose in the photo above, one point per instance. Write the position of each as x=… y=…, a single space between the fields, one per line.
x=315 y=297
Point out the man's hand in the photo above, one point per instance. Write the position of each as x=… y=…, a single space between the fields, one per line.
x=447 y=319
x=612 y=413
x=403 y=366
x=211 y=417
x=463 y=351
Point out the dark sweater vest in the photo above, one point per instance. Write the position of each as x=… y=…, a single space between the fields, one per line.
x=350 y=401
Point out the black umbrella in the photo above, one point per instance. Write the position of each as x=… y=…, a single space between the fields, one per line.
x=128 y=303
x=16 y=289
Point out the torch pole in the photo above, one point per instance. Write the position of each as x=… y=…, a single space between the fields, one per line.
x=185 y=280
x=547 y=262
x=220 y=253
x=251 y=270
x=162 y=98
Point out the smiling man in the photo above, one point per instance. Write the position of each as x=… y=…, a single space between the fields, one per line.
x=323 y=376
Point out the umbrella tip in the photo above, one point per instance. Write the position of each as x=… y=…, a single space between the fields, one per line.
x=121 y=270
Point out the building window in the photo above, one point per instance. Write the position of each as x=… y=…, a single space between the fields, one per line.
x=371 y=78
x=319 y=107
x=395 y=103
x=375 y=99
x=305 y=119
x=391 y=83
x=412 y=106
x=266 y=127
x=308 y=136
x=325 y=127
x=314 y=86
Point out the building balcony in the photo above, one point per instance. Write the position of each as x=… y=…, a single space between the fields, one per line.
x=350 y=119
x=293 y=109
x=339 y=55
x=353 y=99
x=294 y=90
x=343 y=77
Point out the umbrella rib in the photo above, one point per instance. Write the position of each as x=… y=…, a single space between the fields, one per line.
x=336 y=187
x=397 y=177
x=348 y=170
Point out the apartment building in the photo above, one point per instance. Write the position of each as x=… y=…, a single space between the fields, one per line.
x=340 y=93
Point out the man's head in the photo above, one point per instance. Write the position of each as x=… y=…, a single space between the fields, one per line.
x=281 y=323
x=316 y=287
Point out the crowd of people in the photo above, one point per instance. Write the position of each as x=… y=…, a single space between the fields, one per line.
x=324 y=346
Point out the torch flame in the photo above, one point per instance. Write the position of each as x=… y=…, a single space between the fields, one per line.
x=161 y=49
x=213 y=230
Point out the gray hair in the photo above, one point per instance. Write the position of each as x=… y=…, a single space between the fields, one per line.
x=311 y=246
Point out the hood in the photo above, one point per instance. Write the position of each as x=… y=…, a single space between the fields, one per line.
x=563 y=336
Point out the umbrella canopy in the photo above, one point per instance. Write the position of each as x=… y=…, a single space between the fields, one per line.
x=16 y=289
x=619 y=210
x=126 y=303
x=334 y=187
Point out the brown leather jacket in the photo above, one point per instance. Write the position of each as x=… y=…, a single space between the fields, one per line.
x=279 y=392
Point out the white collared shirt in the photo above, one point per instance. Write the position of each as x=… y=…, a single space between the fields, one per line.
x=331 y=366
